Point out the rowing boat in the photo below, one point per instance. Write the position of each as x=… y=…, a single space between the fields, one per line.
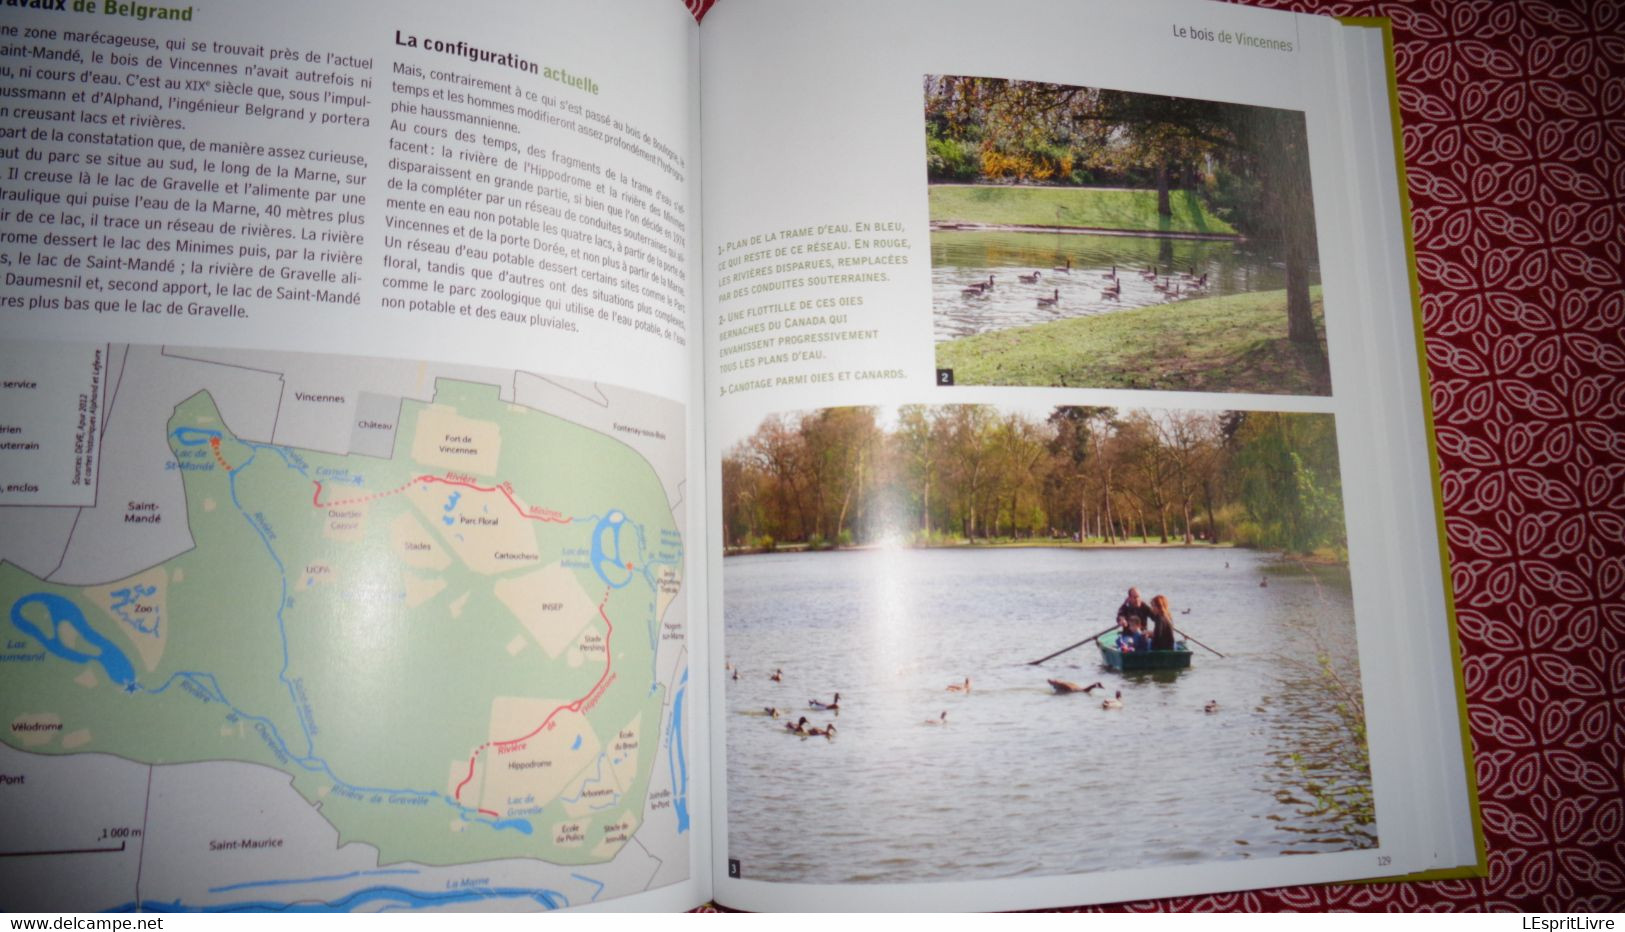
x=1137 y=661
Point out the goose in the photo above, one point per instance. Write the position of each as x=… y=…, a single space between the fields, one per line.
x=1112 y=275
x=1115 y=702
x=1264 y=582
x=1067 y=269
x=1062 y=687
x=1161 y=286
x=1172 y=294
x=1114 y=292
x=1050 y=301
x=736 y=674
x=1211 y=707
x=939 y=720
x=833 y=705
x=1030 y=279
x=1185 y=612
x=960 y=687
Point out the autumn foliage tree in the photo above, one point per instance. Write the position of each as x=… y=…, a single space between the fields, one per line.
x=957 y=473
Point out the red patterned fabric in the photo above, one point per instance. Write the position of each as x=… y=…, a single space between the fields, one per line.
x=1514 y=122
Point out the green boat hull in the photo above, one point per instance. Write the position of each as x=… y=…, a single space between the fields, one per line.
x=1142 y=661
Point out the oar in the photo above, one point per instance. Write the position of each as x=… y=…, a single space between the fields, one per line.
x=1034 y=663
x=1187 y=636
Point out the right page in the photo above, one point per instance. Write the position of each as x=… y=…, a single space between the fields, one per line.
x=1077 y=531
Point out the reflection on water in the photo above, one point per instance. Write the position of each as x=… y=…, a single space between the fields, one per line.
x=1020 y=781
x=959 y=259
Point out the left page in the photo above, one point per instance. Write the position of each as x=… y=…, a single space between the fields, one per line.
x=346 y=424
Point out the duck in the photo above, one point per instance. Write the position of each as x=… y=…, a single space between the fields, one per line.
x=777 y=675
x=834 y=705
x=1263 y=582
x=736 y=674
x=1185 y=611
x=1211 y=707
x=960 y=687
x=772 y=712
x=1050 y=301
x=797 y=728
x=1030 y=279
x=939 y=720
x=1065 y=269
x=827 y=731
x=1116 y=702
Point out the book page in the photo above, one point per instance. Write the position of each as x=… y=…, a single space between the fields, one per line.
x=1062 y=429
x=348 y=422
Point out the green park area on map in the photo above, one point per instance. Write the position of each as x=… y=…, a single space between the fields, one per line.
x=451 y=651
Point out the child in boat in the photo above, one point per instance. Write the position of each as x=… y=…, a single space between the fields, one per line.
x=1134 y=638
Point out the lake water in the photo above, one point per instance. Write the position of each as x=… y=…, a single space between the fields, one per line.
x=1020 y=781
x=959 y=259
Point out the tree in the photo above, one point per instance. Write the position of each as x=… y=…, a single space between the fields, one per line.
x=1288 y=480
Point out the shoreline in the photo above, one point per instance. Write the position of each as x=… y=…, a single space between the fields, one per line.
x=1301 y=560
x=968 y=226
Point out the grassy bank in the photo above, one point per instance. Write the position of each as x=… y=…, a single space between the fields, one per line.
x=1235 y=343
x=1101 y=208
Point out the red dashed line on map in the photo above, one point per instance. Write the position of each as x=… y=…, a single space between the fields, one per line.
x=587 y=701
x=532 y=512
x=214 y=444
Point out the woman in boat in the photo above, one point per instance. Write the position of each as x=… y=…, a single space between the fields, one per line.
x=1163 y=614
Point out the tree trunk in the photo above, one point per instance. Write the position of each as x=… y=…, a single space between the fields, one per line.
x=925 y=511
x=1207 y=502
x=1300 y=320
x=1164 y=208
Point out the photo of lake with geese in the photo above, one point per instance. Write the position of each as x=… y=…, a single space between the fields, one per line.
x=1089 y=237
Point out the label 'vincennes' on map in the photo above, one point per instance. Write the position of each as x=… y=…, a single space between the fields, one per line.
x=388 y=637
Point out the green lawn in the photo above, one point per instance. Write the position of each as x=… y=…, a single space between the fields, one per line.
x=1099 y=208
x=1231 y=344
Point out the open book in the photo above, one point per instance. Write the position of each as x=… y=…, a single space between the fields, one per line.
x=547 y=455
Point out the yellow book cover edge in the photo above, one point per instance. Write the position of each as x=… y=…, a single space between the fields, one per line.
x=1481 y=868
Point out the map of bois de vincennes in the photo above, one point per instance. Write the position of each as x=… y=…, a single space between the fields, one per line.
x=346 y=634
